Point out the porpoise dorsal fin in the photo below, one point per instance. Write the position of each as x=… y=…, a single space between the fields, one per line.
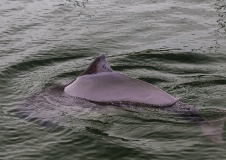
x=99 y=65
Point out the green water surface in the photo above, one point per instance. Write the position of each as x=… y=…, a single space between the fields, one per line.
x=177 y=45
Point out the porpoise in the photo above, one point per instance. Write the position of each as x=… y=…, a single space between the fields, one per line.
x=99 y=83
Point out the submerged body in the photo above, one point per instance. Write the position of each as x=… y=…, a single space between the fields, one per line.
x=102 y=86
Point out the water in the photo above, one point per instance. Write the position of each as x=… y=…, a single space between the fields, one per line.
x=178 y=46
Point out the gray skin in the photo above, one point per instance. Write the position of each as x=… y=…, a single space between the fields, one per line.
x=101 y=85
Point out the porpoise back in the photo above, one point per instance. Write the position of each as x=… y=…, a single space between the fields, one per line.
x=99 y=83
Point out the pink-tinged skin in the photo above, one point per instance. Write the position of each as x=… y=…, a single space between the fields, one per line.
x=112 y=86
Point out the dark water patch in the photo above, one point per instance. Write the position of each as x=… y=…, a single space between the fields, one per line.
x=164 y=69
x=190 y=70
x=73 y=74
x=18 y=8
x=87 y=146
x=161 y=63
x=177 y=63
x=153 y=80
x=30 y=65
x=20 y=28
x=96 y=131
x=131 y=67
x=172 y=134
x=70 y=50
x=212 y=113
x=204 y=81
x=178 y=57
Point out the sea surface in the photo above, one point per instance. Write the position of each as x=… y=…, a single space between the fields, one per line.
x=176 y=45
